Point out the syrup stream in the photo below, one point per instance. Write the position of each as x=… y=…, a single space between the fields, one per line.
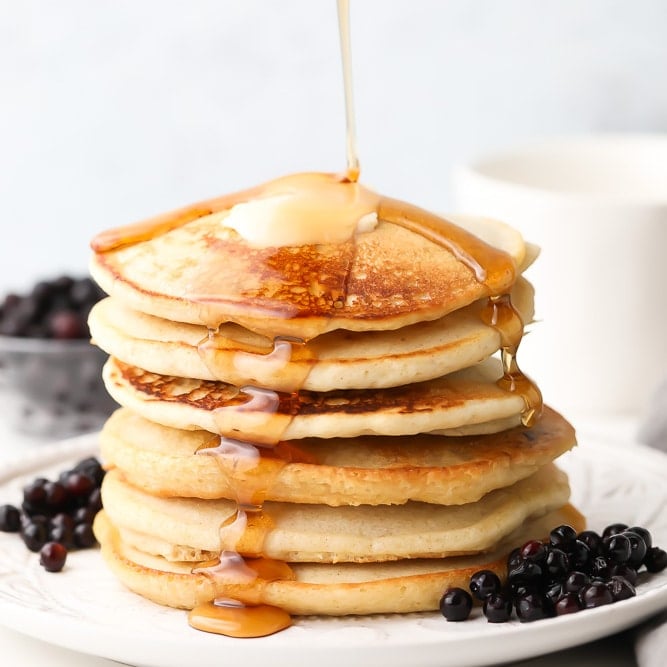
x=353 y=168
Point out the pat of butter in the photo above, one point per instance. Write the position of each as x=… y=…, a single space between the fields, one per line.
x=305 y=209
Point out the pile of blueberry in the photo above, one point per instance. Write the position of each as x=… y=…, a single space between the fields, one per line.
x=568 y=573
x=56 y=516
x=55 y=309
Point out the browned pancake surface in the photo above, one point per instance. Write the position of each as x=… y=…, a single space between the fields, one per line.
x=205 y=273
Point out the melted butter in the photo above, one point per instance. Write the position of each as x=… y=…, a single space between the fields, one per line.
x=305 y=209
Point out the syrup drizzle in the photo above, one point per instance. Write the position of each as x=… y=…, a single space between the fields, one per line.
x=284 y=367
x=503 y=316
x=119 y=237
x=353 y=168
x=492 y=267
x=243 y=576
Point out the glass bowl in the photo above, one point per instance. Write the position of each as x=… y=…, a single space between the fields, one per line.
x=52 y=388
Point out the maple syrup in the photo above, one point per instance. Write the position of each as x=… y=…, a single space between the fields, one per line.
x=236 y=620
x=353 y=168
x=500 y=314
x=249 y=480
x=119 y=237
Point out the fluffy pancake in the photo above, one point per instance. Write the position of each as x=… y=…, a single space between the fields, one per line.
x=337 y=360
x=189 y=529
x=341 y=471
x=467 y=398
x=202 y=272
x=318 y=588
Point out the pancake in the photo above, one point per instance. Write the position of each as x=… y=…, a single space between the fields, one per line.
x=368 y=470
x=337 y=360
x=467 y=398
x=317 y=588
x=190 y=529
x=201 y=272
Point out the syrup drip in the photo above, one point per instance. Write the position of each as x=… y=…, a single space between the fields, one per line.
x=503 y=316
x=249 y=477
x=492 y=267
x=284 y=368
x=264 y=422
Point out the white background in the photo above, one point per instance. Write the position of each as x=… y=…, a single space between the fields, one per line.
x=113 y=110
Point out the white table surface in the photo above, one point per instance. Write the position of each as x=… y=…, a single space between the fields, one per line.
x=17 y=649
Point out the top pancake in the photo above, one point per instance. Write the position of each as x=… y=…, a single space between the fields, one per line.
x=202 y=272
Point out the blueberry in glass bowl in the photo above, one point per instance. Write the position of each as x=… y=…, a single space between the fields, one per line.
x=50 y=374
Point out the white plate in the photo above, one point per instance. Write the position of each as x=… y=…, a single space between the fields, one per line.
x=85 y=609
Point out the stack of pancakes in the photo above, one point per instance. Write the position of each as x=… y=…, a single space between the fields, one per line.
x=332 y=429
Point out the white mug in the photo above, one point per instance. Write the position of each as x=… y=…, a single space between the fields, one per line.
x=597 y=207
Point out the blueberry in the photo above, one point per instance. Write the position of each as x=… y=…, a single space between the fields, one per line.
x=526 y=572
x=575 y=581
x=618 y=548
x=638 y=548
x=79 y=485
x=95 y=501
x=557 y=563
x=601 y=568
x=656 y=559
x=596 y=594
x=514 y=558
x=455 y=604
x=533 y=607
x=66 y=324
x=34 y=535
x=554 y=590
x=533 y=550
x=483 y=583
x=497 y=608
x=52 y=556
x=614 y=529
x=580 y=555
x=91 y=467
x=84 y=537
x=34 y=495
x=63 y=534
x=56 y=496
x=592 y=540
x=644 y=534
x=620 y=588
x=562 y=535
x=626 y=571
x=83 y=515
x=10 y=519
x=568 y=603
